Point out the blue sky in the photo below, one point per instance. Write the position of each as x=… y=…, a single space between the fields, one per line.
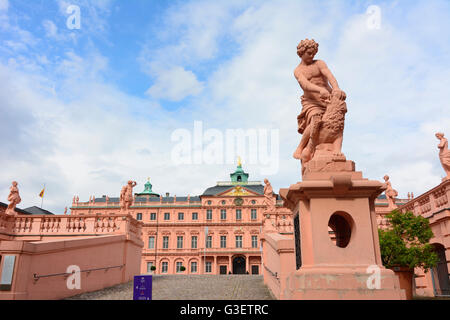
x=87 y=109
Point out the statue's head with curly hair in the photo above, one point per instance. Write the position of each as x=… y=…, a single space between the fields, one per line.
x=439 y=135
x=305 y=45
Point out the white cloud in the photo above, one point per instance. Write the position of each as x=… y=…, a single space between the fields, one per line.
x=88 y=137
x=4 y=5
x=175 y=84
x=51 y=30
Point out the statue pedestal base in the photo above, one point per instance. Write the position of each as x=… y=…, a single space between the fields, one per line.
x=342 y=283
x=338 y=236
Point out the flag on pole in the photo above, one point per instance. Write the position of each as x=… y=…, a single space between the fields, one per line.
x=41 y=194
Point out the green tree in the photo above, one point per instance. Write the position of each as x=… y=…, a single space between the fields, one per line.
x=406 y=242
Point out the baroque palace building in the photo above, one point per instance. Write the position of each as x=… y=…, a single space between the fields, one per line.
x=217 y=232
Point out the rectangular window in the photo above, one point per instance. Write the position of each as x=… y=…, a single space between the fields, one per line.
x=194 y=216
x=223 y=241
x=208 y=241
x=180 y=216
x=178 y=266
x=254 y=241
x=253 y=214
x=165 y=242
x=153 y=216
x=208 y=214
x=238 y=241
x=151 y=242
x=208 y=267
x=167 y=216
x=238 y=214
x=194 y=242
x=180 y=242
x=194 y=267
x=165 y=267
x=139 y=216
x=149 y=267
x=223 y=214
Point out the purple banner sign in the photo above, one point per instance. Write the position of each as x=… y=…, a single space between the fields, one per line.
x=142 y=287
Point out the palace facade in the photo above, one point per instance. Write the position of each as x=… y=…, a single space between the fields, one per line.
x=217 y=232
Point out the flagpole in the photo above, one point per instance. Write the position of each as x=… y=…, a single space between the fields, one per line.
x=42 y=201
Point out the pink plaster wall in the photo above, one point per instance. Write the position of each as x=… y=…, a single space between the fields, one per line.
x=48 y=245
x=278 y=260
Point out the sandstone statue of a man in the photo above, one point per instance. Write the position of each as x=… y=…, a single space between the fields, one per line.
x=126 y=196
x=444 y=154
x=319 y=88
x=13 y=198
x=390 y=193
x=269 y=199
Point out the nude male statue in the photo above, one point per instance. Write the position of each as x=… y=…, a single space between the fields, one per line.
x=317 y=83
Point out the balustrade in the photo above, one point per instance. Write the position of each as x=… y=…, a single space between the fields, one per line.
x=68 y=225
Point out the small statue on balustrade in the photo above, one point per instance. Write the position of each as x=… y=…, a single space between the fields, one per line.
x=390 y=193
x=269 y=199
x=126 y=196
x=13 y=198
x=444 y=154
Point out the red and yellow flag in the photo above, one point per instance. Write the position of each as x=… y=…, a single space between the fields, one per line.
x=41 y=194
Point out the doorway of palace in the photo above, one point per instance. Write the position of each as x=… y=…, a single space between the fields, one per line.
x=255 y=269
x=239 y=265
x=223 y=269
x=440 y=272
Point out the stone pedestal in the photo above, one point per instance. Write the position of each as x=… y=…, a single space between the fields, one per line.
x=333 y=195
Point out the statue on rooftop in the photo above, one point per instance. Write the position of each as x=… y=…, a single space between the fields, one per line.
x=444 y=154
x=269 y=199
x=126 y=196
x=390 y=193
x=321 y=121
x=13 y=198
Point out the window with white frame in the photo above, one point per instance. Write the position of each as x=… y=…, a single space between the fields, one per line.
x=254 y=241
x=208 y=214
x=253 y=214
x=178 y=266
x=165 y=242
x=149 y=266
x=194 y=242
x=151 y=242
x=153 y=216
x=223 y=241
x=238 y=241
x=238 y=214
x=194 y=267
x=194 y=216
x=223 y=214
x=208 y=267
x=179 y=242
x=180 y=215
x=209 y=241
x=164 y=267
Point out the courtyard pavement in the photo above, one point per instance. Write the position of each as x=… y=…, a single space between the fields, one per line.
x=190 y=287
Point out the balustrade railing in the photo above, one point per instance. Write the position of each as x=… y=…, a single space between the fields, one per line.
x=69 y=225
x=432 y=201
